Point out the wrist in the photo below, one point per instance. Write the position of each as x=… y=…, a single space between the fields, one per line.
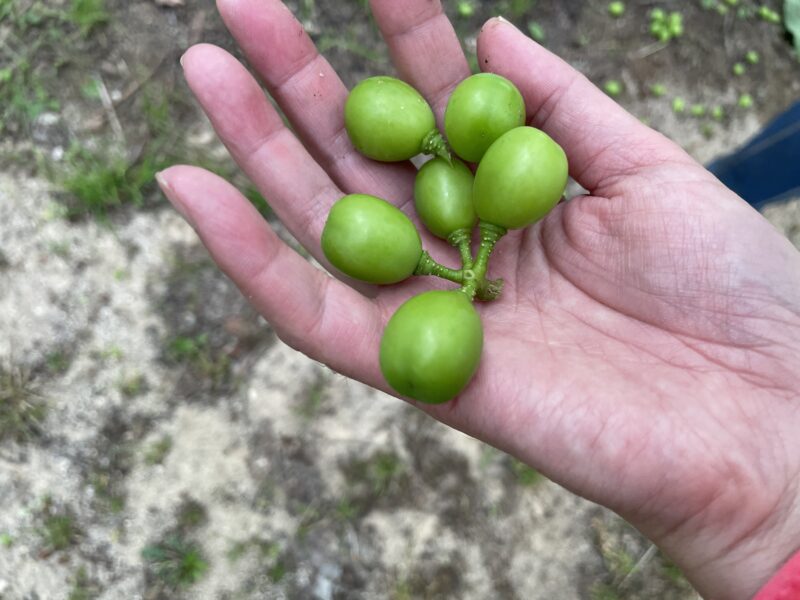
x=734 y=561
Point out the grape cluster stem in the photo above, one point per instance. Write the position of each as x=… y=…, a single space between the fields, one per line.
x=472 y=275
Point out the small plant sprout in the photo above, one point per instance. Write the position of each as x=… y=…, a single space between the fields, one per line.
x=717 y=113
x=722 y=9
x=678 y=105
x=738 y=69
x=698 y=110
x=22 y=409
x=733 y=2
x=176 y=562
x=658 y=90
x=612 y=87
x=768 y=15
x=752 y=57
x=465 y=9
x=616 y=9
x=745 y=101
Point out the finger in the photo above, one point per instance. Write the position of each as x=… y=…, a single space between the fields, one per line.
x=601 y=139
x=424 y=47
x=311 y=95
x=311 y=311
x=295 y=186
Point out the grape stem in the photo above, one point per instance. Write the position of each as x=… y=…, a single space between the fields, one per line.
x=428 y=266
x=472 y=276
x=433 y=143
x=460 y=239
x=474 y=279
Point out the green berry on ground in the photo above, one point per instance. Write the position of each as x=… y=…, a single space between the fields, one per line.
x=536 y=31
x=613 y=88
x=698 y=110
x=465 y=9
x=616 y=9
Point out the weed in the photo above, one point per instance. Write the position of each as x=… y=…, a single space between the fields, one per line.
x=102 y=180
x=157 y=451
x=82 y=586
x=526 y=476
x=745 y=101
x=175 y=562
x=106 y=490
x=346 y=510
x=603 y=591
x=382 y=469
x=58 y=362
x=658 y=90
x=6 y=540
x=133 y=385
x=313 y=400
x=22 y=409
x=196 y=352
x=678 y=105
x=88 y=14
x=190 y=515
x=752 y=57
x=58 y=529
x=738 y=69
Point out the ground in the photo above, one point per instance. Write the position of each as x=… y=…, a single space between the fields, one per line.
x=158 y=441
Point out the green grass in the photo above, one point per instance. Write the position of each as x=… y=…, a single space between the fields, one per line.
x=381 y=470
x=526 y=476
x=132 y=385
x=58 y=530
x=88 y=14
x=197 y=352
x=58 y=362
x=190 y=515
x=175 y=562
x=82 y=586
x=156 y=452
x=102 y=180
x=312 y=401
x=22 y=408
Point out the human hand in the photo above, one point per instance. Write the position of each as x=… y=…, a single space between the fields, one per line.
x=645 y=349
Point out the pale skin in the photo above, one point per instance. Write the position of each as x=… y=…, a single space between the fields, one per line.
x=646 y=349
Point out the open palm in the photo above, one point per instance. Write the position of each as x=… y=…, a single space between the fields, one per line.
x=645 y=350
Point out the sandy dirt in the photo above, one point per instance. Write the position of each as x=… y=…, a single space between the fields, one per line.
x=175 y=421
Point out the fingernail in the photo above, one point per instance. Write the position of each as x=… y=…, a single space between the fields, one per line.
x=502 y=19
x=181 y=59
x=169 y=192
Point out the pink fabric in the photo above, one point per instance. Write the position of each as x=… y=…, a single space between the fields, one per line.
x=785 y=584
